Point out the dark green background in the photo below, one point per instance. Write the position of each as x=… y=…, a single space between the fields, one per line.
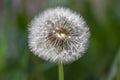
x=101 y=61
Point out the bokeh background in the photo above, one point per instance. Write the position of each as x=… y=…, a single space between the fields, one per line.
x=101 y=61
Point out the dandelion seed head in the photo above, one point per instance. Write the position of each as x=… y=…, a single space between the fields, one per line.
x=58 y=35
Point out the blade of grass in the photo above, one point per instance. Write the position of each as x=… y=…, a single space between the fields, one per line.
x=4 y=38
x=115 y=68
x=118 y=67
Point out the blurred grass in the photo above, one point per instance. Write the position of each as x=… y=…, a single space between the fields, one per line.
x=4 y=37
x=101 y=61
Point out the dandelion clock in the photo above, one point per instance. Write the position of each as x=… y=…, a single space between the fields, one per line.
x=58 y=35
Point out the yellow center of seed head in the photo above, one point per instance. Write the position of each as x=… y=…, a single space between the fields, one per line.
x=61 y=35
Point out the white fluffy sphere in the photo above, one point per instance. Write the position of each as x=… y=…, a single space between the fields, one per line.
x=58 y=35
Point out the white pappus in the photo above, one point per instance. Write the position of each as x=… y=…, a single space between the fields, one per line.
x=58 y=35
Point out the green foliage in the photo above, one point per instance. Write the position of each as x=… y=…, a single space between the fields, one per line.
x=101 y=61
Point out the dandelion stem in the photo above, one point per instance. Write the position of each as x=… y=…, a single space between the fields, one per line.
x=61 y=71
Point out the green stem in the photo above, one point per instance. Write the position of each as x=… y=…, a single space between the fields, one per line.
x=61 y=71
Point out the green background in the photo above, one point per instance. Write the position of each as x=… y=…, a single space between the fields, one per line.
x=101 y=61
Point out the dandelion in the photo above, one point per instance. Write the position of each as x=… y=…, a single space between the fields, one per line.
x=58 y=35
